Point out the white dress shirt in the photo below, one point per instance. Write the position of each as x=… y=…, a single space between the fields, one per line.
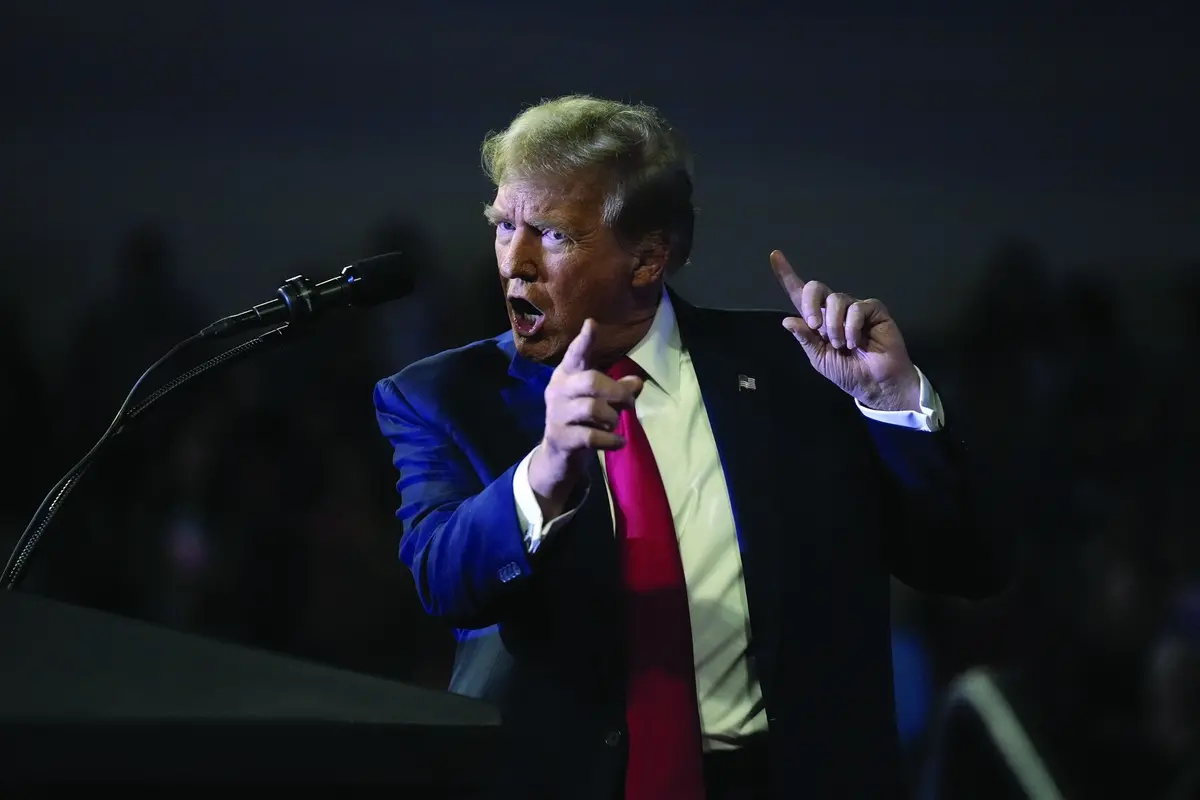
x=671 y=410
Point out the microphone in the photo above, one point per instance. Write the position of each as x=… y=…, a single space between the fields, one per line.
x=362 y=284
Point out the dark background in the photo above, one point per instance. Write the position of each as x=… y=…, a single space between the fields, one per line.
x=1019 y=186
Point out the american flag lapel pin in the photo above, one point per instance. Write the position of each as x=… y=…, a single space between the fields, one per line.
x=746 y=383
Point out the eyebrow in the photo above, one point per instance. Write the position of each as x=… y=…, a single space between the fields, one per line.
x=495 y=215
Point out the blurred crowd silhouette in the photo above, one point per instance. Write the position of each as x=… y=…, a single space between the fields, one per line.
x=255 y=508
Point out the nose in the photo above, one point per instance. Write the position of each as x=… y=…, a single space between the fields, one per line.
x=520 y=258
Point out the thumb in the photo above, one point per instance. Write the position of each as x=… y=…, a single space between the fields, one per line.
x=809 y=339
x=576 y=357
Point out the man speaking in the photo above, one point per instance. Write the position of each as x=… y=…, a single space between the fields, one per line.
x=664 y=533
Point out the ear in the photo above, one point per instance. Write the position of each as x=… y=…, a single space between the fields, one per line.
x=650 y=260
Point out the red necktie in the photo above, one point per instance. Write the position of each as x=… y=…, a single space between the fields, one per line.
x=665 y=758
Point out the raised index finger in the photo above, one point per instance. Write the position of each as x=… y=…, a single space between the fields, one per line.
x=787 y=277
x=576 y=357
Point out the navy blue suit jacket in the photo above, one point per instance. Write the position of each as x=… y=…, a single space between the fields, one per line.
x=828 y=504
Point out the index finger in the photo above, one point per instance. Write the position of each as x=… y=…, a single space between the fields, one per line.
x=787 y=277
x=576 y=357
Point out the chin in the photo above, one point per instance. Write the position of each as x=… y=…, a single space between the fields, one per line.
x=541 y=349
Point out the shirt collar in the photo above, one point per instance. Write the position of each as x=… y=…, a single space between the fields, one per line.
x=661 y=349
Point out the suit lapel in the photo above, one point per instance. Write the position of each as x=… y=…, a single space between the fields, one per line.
x=737 y=394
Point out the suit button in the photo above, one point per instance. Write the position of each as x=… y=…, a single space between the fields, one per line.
x=612 y=738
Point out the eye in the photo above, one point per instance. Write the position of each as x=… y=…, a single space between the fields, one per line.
x=557 y=237
x=502 y=225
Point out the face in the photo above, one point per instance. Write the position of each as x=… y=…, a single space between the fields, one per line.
x=560 y=264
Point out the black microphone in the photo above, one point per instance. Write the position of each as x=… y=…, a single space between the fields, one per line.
x=363 y=284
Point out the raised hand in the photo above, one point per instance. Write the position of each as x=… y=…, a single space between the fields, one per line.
x=582 y=408
x=854 y=343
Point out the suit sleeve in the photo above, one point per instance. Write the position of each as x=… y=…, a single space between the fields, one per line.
x=944 y=540
x=537 y=529
x=461 y=539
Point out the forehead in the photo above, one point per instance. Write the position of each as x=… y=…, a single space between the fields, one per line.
x=577 y=199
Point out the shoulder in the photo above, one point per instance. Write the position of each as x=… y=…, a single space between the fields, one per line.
x=708 y=317
x=451 y=375
x=758 y=328
x=757 y=320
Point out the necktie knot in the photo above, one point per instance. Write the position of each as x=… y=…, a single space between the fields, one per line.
x=625 y=367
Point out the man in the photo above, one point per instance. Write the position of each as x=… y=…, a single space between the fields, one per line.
x=665 y=533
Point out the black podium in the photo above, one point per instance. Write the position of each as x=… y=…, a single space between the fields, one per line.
x=90 y=697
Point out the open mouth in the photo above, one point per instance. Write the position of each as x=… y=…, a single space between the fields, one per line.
x=527 y=318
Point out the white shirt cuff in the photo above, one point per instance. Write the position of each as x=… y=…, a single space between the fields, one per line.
x=529 y=512
x=928 y=419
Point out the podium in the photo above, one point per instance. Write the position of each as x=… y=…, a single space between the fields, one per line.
x=91 y=697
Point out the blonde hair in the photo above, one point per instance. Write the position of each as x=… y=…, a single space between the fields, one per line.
x=645 y=159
